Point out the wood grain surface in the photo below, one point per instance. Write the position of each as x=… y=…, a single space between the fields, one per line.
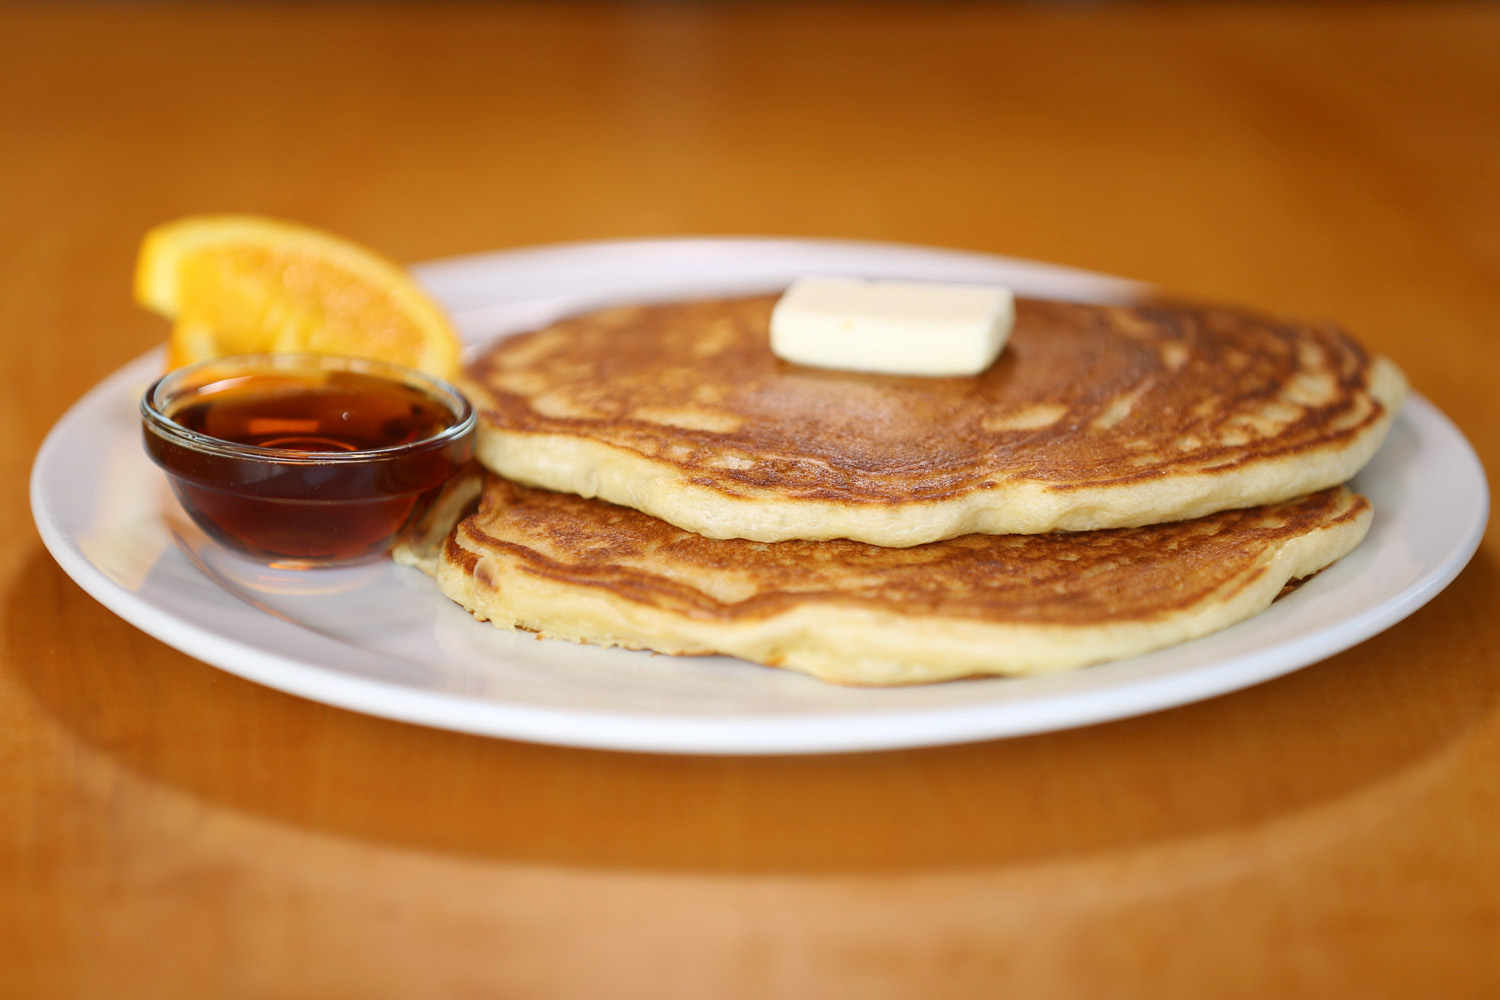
x=170 y=831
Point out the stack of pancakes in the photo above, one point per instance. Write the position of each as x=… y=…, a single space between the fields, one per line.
x=1121 y=479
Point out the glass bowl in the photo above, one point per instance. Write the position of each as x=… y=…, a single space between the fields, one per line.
x=304 y=459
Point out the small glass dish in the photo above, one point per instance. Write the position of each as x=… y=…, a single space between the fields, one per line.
x=305 y=460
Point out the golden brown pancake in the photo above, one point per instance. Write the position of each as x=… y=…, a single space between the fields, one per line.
x=855 y=613
x=1094 y=416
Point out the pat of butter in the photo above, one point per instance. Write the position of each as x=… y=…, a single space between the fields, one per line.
x=892 y=327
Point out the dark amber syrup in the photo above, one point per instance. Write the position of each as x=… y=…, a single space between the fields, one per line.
x=307 y=497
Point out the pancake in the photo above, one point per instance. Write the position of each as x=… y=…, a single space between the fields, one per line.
x=1093 y=417
x=854 y=613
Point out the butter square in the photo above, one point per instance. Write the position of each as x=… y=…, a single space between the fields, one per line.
x=892 y=327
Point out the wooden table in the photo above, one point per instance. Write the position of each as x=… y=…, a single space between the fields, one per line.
x=167 y=830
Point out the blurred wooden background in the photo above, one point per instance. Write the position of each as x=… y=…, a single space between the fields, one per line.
x=167 y=830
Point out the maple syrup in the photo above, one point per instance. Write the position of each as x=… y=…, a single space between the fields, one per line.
x=302 y=459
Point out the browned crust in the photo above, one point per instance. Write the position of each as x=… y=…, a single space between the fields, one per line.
x=1197 y=379
x=1096 y=577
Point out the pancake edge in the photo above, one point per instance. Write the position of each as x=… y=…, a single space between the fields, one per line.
x=593 y=469
x=850 y=645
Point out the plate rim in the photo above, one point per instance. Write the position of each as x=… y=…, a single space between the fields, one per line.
x=635 y=731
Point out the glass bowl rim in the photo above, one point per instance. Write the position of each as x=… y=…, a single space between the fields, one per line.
x=156 y=397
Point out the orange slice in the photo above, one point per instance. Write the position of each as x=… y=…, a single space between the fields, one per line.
x=238 y=284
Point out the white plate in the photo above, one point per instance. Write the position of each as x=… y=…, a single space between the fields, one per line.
x=378 y=638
